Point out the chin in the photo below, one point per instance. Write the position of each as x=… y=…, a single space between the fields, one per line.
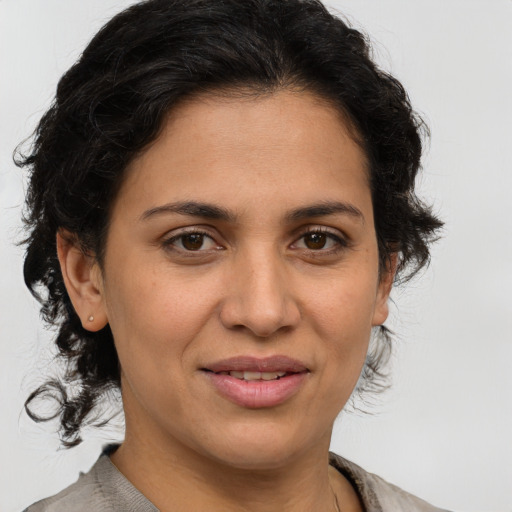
x=262 y=448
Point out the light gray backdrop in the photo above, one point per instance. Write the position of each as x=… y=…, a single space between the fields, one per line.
x=444 y=430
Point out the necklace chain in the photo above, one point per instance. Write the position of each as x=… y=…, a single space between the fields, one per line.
x=336 y=504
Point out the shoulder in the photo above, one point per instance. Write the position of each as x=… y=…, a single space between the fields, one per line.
x=377 y=494
x=102 y=488
x=85 y=494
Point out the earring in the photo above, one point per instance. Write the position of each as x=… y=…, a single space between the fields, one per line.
x=91 y=318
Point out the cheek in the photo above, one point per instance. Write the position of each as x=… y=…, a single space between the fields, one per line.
x=155 y=314
x=342 y=318
x=344 y=310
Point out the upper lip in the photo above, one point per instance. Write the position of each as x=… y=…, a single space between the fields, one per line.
x=276 y=363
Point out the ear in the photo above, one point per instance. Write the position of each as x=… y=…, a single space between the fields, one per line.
x=83 y=281
x=387 y=277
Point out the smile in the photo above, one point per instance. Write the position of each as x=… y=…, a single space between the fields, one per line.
x=257 y=383
x=249 y=376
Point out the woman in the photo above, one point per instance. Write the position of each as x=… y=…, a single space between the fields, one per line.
x=220 y=200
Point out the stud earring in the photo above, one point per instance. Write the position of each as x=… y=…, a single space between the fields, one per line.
x=91 y=318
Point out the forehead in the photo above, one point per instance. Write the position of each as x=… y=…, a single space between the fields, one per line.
x=282 y=146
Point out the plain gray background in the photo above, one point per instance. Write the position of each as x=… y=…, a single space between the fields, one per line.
x=444 y=430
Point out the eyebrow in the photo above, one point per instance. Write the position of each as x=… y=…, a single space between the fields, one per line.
x=323 y=209
x=193 y=209
x=210 y=211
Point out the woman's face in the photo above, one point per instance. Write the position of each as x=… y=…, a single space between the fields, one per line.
x=242 y=240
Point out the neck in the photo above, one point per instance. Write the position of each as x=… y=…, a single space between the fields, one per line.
x=264 y=477
x=181 y=479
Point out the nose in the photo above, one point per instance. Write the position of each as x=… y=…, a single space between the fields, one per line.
x=259 y=296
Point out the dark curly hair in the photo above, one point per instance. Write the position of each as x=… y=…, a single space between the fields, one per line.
x=111 y=104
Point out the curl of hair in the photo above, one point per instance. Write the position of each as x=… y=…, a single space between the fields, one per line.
x=111 y=104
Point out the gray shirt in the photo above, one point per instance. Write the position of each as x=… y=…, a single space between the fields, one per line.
x=104 y=488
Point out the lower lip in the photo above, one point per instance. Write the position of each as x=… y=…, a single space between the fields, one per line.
x=256 y=394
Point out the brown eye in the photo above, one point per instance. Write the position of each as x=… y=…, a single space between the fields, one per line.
x=320 y=241
x=192 y=241
x=315 y=241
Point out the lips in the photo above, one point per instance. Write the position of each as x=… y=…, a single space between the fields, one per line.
x=257 y=383
x=254 y=364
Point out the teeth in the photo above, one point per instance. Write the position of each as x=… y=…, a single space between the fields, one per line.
x=256 y=375
x=272 y=375
x=252 y=375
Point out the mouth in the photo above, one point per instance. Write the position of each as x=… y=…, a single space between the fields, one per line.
x=250 y=375
x=257 y=383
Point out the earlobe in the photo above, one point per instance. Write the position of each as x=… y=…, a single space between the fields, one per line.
x=82 y=278
x=387 y=278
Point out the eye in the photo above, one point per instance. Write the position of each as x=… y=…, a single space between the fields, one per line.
x=192 y=241
x=316 y=240
x=320 y=240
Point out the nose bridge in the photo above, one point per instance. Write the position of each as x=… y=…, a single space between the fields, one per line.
x=260 y=297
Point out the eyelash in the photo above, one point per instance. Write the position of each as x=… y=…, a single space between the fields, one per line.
x=341 y=242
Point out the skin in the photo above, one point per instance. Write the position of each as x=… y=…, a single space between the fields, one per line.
x=255 y=284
